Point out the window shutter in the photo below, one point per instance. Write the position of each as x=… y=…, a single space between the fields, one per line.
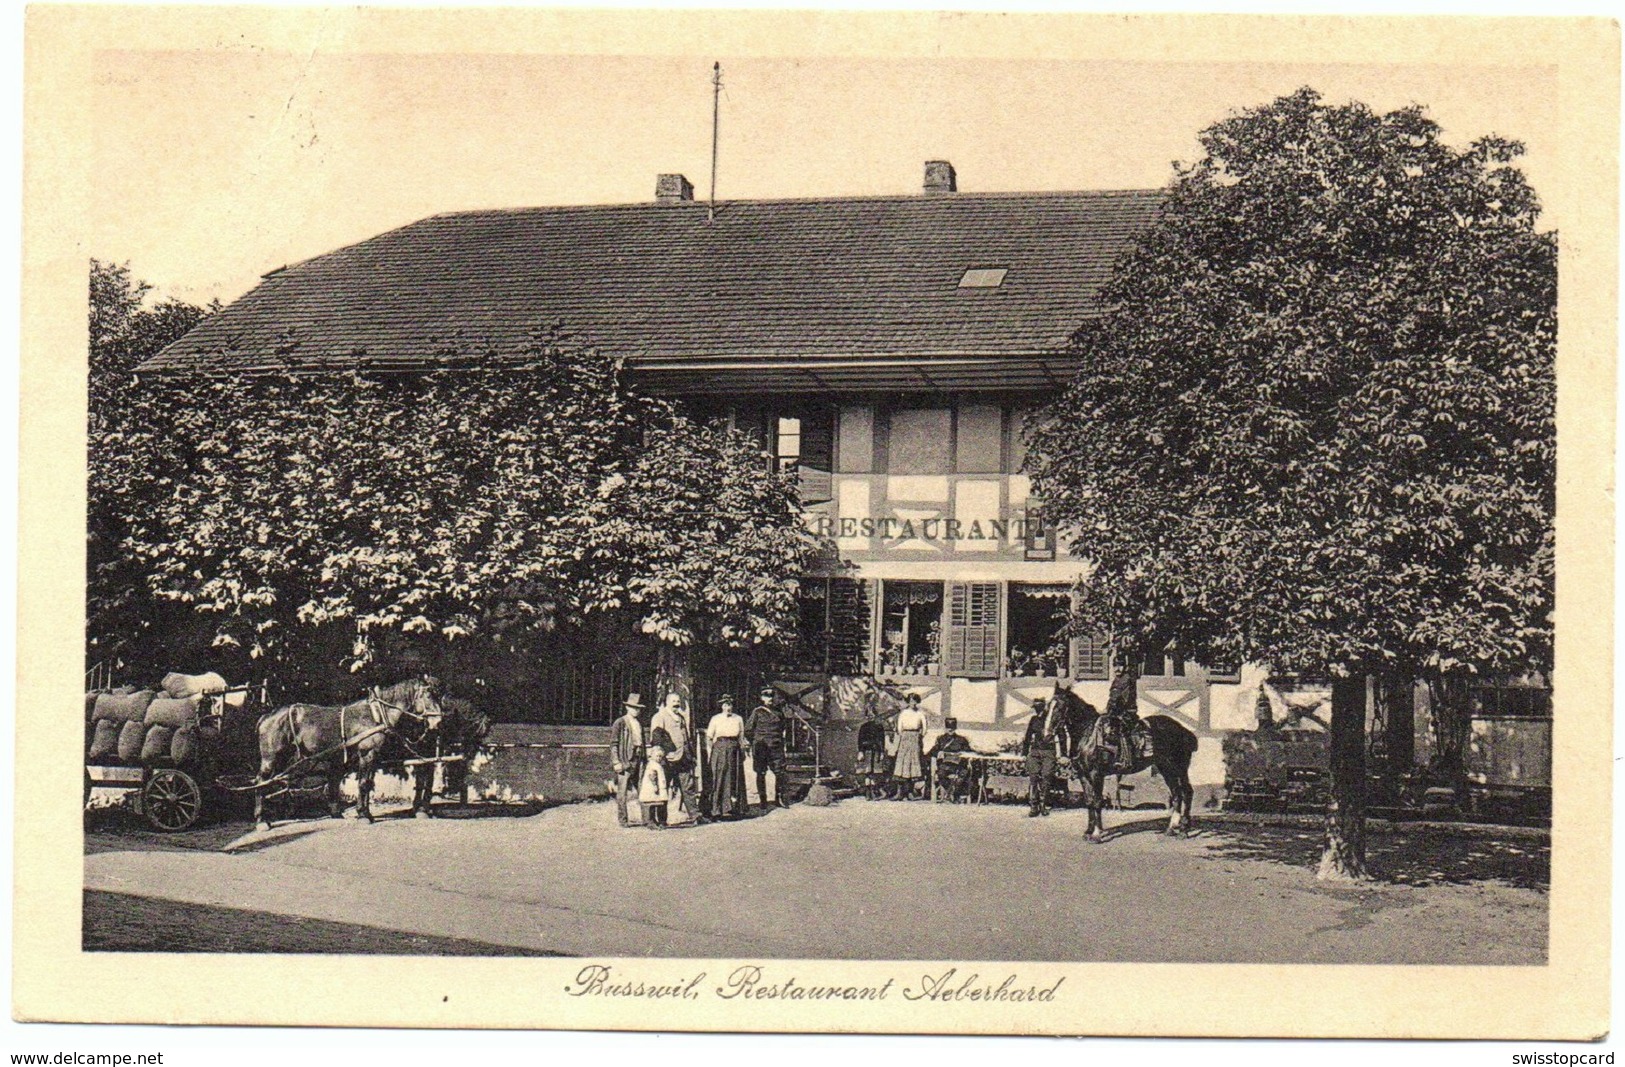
x=817 y=455
x=848 y=625
x=973 y=629
x=1089 y=659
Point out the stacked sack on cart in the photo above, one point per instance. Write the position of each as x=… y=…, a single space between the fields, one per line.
x=146 y=726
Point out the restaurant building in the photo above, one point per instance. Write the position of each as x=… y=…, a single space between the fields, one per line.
x=888 y=349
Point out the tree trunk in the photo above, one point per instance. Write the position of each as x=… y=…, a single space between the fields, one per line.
x=1344 y=858
x=1449 y=722
x=1396 y=695
x=674 y=673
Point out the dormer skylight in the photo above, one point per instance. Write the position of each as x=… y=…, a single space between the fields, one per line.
x=983 y=278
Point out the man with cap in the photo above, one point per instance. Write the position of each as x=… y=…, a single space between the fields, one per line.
x=947 y=743
x=1039 y=746
x=765 y=728
x=626 y=753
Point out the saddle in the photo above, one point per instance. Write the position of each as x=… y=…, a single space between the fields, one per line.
x=1128 y=742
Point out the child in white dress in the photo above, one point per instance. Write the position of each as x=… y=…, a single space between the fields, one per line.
x=652 y=791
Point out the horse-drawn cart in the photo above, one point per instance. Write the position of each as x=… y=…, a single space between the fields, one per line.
x=171 y=752
x=194 y=744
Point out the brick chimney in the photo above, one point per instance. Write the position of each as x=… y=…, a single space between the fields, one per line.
x=940 y=178
x=673 y=189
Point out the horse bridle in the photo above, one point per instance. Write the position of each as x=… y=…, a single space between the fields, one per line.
x=375 y=701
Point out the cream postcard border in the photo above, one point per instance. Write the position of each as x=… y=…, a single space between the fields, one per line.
x=54 y=980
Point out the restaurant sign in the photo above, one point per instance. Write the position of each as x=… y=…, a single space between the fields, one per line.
x=937 y=529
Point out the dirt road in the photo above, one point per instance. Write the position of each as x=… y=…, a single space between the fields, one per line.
x=858 y=880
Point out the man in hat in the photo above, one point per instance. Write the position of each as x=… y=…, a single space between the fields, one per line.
x=1039 y=745
x=947 y=743
x=626 y=754
x=765 y=728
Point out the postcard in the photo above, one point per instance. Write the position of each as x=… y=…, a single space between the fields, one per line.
x=817 y=521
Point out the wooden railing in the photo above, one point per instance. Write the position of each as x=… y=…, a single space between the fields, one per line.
x=99 y=676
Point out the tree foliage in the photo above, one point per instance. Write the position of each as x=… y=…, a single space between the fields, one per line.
x=1316 y=428
x=681 y=539
x=437 y=504
x=348 y=517
x=125 y=329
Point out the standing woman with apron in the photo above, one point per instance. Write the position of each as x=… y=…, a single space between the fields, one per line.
x=909 y=767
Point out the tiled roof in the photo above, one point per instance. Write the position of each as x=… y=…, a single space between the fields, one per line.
x=766 y=280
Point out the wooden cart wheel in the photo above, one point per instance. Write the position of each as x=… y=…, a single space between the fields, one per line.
x=171 y=800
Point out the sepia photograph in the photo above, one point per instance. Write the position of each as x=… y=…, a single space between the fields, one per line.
x=674 y=516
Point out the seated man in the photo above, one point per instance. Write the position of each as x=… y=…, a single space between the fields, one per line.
x=1129 y=736
x=953 y=772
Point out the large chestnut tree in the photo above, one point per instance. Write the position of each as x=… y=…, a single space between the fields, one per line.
x=1316 y=427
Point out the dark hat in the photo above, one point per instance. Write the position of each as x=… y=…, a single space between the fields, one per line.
x=950 y=723
x=1038 y=702
x=633 y=701
x=725 y=700
x=768 y=691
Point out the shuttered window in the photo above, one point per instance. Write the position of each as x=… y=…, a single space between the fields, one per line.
x=973 y=629
x=817 y=454
x=799 y=439
x=1090 y=657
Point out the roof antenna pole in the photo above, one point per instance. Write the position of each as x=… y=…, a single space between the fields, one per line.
x=716 y=97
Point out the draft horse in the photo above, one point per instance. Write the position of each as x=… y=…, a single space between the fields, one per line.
x=310 y=734
x=1094 y=741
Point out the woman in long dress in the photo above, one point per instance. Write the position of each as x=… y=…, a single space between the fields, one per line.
x=909 y=767
x=725 y=788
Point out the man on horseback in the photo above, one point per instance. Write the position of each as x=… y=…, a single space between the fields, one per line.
x=1124 y=731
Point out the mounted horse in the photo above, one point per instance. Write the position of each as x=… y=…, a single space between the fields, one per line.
x=304 y=735
x=1097 y=749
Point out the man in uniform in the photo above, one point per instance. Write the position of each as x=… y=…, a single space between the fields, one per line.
x=1123 y=706
x=626 y=754
x=1039 y=745
x=765 y=728
x=947 y=743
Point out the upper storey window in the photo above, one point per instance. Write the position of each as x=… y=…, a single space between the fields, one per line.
x=787 y=450
x=921 y=441
x=967 y=439
x=798 y=439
